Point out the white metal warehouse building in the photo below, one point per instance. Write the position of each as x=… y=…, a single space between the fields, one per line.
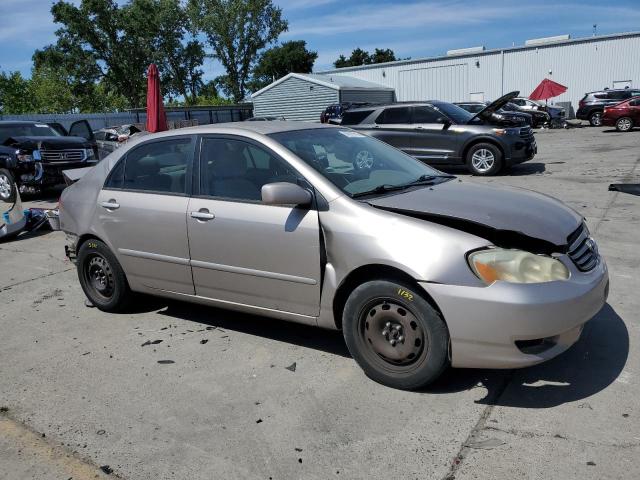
x=582 y=65
x=304 y=96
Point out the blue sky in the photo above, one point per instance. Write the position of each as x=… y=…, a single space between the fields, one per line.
x=413 y=28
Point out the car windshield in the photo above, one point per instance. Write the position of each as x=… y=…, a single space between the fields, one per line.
x=26 y=130
x=457 y=114
x=357 y=164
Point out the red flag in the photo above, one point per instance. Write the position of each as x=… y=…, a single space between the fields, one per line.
x=547 y=89
x=156 y=116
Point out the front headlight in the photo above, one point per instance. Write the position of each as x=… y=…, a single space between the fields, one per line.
x=24 y=157
x=88 y=153
x=516 y=266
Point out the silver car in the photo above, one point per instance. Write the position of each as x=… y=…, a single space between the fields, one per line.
x=326 y=226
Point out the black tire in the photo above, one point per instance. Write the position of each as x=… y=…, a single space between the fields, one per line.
x=595 y=119
x=7 y=186
x=624 y=124
x=492 y=156
x=102 y=278
x=370 y=321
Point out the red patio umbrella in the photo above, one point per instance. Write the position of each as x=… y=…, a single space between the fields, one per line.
x=547 y=89
x=156 y=117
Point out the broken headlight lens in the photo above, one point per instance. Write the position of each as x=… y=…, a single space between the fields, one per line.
x=516 y=266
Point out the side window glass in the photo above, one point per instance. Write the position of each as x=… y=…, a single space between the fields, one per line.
x=116 y=176
x=236 y=169
x=394 y=115
x=425 y=115
x=159 y=166
x=634 y=103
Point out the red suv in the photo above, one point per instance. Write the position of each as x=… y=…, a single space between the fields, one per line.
x=624 y=116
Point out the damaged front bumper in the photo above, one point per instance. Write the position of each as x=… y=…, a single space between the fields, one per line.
x=33 y=176
x=509 y=325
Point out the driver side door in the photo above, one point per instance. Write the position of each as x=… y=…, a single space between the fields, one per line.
x=433 y=141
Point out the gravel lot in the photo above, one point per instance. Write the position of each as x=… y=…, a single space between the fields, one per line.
x=82 y=392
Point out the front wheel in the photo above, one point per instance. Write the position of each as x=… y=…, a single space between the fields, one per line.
x=624 y=124
x=395 y=335
x=595 y=119
x=484 y=159
x=102 y=278
x=7 y=186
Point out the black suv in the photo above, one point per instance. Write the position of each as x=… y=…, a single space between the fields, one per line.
x=592 y=104
x=33 y=155
x=441 y=133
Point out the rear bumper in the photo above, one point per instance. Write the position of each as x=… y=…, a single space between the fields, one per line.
x=545 y=319
x=584 y=113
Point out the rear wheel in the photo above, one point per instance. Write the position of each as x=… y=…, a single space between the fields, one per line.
x=7 y=186
x=102 y=278
x=484 y=159
x=395 y=335
x=595 y=119
x=624 y=124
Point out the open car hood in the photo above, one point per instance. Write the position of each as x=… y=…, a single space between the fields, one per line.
x=493 y=107
x=508 y=217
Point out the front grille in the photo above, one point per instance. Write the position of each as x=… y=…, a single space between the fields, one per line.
x=583 y=250
x=526 y=133
x=63 y=156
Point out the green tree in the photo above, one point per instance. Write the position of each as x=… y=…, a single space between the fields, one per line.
x=116 y=43
x=277 y=62
x=50 y=92
x=237 y=30
x=360 y=57
x=15 y=97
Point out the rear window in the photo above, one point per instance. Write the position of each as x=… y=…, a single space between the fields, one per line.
x=394 y=115
x=354 y=118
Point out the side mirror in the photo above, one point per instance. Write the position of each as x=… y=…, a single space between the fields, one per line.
x=285 y=193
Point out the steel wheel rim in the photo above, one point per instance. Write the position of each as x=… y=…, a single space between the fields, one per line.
x=99 y=277
x=483 y=160
x=391 y=333
x=364 y=160
x=624 y=124
x=5 y=187
x=597 y=119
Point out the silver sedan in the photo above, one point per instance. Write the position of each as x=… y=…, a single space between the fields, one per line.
x=328 y=227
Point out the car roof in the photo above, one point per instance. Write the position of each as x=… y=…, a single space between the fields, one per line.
x=265 y=128
x=17 y=123
x=614 y=90
x=396 y=104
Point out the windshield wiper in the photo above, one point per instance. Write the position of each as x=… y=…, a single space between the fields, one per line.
x=421 y=180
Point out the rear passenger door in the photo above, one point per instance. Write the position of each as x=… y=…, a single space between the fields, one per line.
x=393 y=126
x=243 y=251
x=143 y=209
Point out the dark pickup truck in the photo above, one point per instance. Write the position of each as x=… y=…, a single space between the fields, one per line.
x=33 y=155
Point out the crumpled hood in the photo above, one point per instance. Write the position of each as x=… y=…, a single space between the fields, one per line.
x=507 y=211
x=47 y=143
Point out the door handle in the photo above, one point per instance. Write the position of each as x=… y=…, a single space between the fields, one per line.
x=419 y=128
x=110 y=205
x=203 y=215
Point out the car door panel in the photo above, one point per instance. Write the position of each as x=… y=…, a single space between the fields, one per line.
x=246 y=252
x=143 y=209
x=432 y=141
x=262 y=255
x=148 y=233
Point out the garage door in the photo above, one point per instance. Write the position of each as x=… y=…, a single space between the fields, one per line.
x=448 y=83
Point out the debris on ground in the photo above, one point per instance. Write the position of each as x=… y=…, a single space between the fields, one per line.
x=298 y=449
x=106 y=469
x=488 y=444
x=149 y=342
x=203 y=341
x=591 y=464
x=101 y=432
x=291 y=367
x=165 y=362
x=4 y=409
x=632 y=188
x=210 y=328
x=88 y=303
